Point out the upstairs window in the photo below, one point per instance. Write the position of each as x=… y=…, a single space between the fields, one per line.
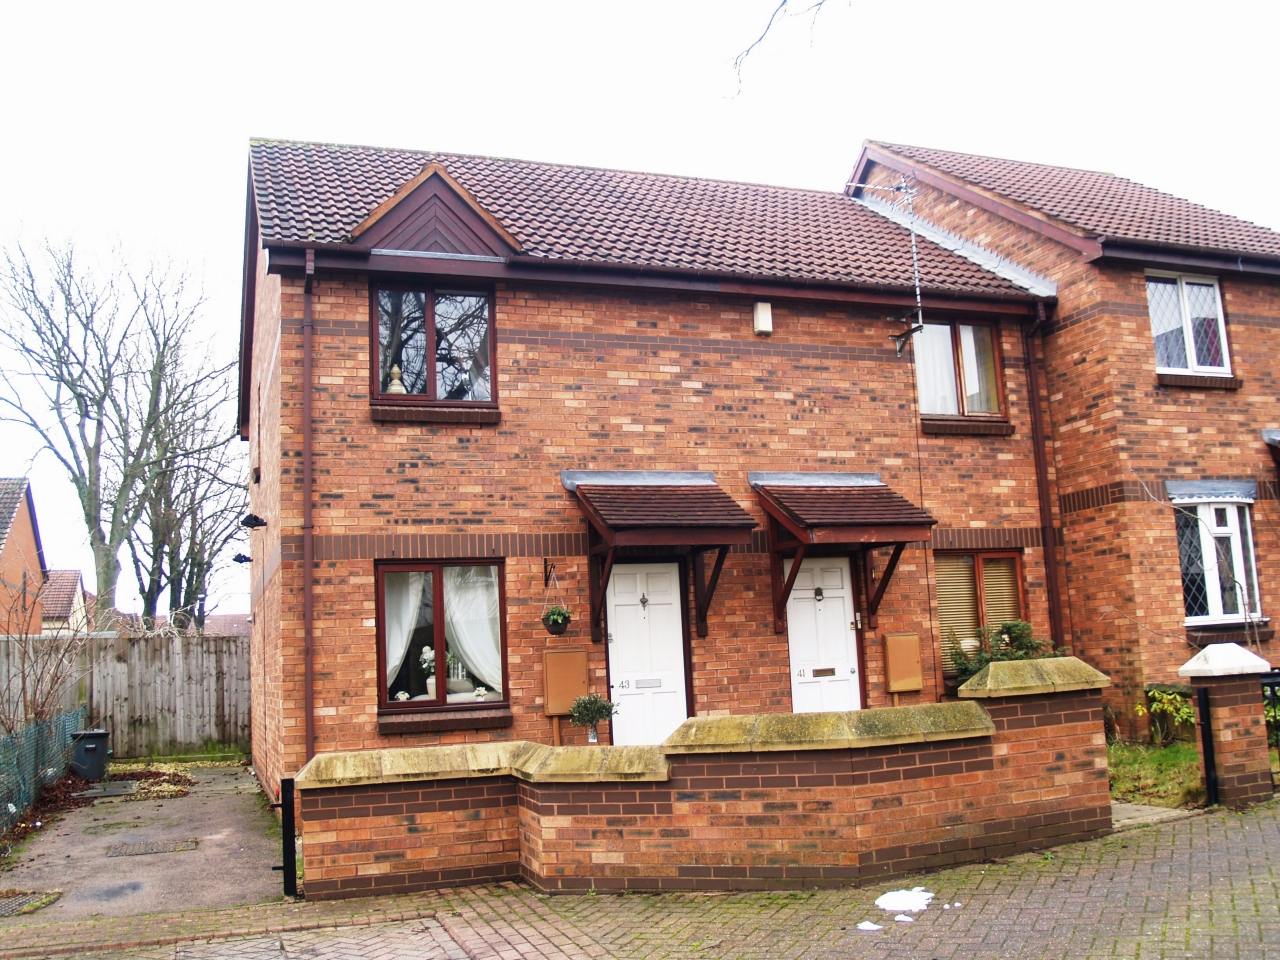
x=433 y=346
x=957 y=370
x=1219 y=576
x=1187 y=325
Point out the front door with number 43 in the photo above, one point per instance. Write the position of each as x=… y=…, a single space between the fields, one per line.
x=822 y=637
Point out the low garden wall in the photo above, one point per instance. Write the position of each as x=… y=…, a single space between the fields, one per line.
x=739 y=802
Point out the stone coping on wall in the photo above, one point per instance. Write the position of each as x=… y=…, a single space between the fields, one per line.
x=541 y=763
x=1025 y=678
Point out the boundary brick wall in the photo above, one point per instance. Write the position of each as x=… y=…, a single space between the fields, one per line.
x=731 y=821
x=1241 y=753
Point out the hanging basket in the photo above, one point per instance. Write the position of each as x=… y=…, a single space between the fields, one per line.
x=555 y=627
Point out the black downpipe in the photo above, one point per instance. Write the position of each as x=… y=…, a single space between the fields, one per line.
x=288 y=843
x=1206 y=742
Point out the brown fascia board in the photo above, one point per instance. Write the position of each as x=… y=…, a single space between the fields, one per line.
x=1178 y=257
x=288 y=258
x=248 y=302
x=992 y=203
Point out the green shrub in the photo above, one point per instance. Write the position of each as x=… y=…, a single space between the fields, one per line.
x=1012 y=640
x=1168 y=709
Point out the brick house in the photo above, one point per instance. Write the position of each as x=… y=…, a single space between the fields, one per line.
x=22 y=567
x=1160 y=385
x=698 y=413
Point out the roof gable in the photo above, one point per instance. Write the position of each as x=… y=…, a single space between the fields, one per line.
x=433 y=213
x=1100 y=205
x=15 y=493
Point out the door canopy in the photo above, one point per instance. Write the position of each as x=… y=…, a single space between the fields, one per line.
x=831 y=509
x=657 y=508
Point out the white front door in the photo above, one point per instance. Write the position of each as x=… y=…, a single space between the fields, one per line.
x=646 y=652
x=822 y=638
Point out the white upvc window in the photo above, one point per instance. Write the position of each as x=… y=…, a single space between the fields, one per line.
x=1187 y=325
x=1219 y=574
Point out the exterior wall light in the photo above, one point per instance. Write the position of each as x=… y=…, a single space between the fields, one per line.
x=762 y=319
x=242 y=558
x=252 y=521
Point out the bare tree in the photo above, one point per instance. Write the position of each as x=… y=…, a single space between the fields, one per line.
x=36 y=668
x=88 y=369
x=814 y=7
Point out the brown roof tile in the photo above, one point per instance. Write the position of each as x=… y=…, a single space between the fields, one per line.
x=12 y=491
x=59 y=597
x=821 y=506
x=629 y=507
x=321 y=192
x=1101 y=203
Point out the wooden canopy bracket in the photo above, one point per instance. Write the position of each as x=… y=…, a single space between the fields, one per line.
x=703 y=592
x=875 y=592
x=781 y=587
x=599 y=569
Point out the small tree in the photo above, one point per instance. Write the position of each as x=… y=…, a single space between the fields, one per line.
x=36 y=668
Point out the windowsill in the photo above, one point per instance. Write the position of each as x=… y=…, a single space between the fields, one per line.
x=1200 y=381
x=1204 y=623
x=423 y=413
x=1237 y=632
x=480 y=718
x=965 y=426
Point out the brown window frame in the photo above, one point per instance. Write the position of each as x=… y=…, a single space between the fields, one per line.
x=978 y=557
x=428 y=400
x=999 y=416
x=436 y=568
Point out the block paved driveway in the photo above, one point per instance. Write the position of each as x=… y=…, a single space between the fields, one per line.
x=1203 y=887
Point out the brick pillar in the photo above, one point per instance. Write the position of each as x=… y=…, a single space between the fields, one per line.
x=1238 y=729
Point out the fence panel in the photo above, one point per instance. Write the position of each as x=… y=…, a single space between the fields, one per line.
x=168 y=694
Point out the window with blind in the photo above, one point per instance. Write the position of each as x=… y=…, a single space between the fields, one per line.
x=976 y=591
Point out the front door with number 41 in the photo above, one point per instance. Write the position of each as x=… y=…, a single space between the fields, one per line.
x=822 y=637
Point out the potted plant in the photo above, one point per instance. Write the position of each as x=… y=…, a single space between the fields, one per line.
x=588 y=711
x=556 y=619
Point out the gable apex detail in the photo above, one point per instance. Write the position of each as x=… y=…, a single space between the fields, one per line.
x=381 y=215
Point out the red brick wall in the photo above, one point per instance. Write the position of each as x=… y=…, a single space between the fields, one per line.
x=360 y=841
x=736 y=820
x=596 y=380
x=1241 y=753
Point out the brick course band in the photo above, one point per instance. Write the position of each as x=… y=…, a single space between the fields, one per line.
x=1129 y=491
x=730 y=821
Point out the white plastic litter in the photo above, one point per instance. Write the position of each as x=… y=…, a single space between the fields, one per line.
x=959 y=904
x=946 y=906
x=868 y=925
x=903 y=918
x=905 y=901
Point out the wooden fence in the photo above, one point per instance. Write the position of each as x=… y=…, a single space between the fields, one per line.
x=167 y=694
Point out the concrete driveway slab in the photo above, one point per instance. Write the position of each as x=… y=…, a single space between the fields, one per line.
x=119 y=857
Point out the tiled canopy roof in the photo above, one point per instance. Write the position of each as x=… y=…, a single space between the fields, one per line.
x=321 y=192
x=1101 y=203
x=60 y=591
x=825 y=506
x=12 y=490
x=630 y=507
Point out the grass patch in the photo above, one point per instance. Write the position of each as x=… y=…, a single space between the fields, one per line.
x=1160 y=776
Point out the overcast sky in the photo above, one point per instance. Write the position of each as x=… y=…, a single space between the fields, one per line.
x=127 y=124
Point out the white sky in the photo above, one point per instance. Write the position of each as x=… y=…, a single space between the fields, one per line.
x=126 y=124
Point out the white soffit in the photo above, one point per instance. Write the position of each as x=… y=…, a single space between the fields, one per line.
x=1224 y=660
x=1030 y=281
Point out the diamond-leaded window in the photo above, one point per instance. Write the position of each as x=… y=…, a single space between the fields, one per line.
x=1187 y=325
x=1215 y=549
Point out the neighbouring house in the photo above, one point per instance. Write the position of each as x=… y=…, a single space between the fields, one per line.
x=22 y=568
x=703 y=416
x=1161 y=389
x=65 y=604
